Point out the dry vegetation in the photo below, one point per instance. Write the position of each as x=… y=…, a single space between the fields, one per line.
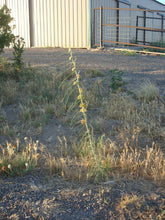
x=131 y=145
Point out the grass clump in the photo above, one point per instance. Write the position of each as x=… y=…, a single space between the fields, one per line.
x=148 y=92
x=127 y=52
x=18 y=160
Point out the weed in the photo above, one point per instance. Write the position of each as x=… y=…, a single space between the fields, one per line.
x=82 y=106
x=116 y=79
x=18 y=47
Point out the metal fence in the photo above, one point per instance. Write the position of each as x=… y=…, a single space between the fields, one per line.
x=129 y=27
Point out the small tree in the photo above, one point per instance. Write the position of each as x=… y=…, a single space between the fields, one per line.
x=6 y=36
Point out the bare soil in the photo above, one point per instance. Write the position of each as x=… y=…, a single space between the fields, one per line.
x=39 y=196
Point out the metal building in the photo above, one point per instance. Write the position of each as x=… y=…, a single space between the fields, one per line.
x=77 y=23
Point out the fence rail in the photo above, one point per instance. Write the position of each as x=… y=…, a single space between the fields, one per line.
x=124 y=25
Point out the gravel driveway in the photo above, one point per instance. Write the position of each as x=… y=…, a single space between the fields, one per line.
x=136 y=68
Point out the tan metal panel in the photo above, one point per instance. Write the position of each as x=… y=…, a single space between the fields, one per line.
x=60 y=23
x=20 y=13
x=2 y=2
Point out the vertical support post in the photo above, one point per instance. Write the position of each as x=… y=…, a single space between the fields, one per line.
x=31 y=23
x=93 y=26
x=162 y=24
x=117 y=22
x=144 y=33
x=137 y=23
x=101 y=34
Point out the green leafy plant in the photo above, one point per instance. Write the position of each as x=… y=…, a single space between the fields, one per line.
x=6 y=36
x=116 y=79
x=18 y=47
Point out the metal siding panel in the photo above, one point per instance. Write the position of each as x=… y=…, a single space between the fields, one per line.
x=2 y=2
x=77 y=8
x=73 y=23
x=67 y=23
x=59 y=23
x=20 y=13
x=71 y=28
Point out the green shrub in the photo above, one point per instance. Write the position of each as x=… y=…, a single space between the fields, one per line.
x=6 y=36
x=18 y=51
x=116 y=79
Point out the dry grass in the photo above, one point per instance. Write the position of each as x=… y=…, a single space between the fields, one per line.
x=145 y=115
x=18 y=160
x=93 y=74
x=147 y=91
x=8 y=91
x=132 y=206
x=107 y=159
x=67 y=97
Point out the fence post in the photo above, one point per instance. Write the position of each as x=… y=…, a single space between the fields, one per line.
x=144 y=33
x=93 y=26
x=162 y=25
x=137 y=23
x=117 y=22
x=101 y=34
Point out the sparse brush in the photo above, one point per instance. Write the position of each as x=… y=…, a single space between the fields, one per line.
x=118 y=106
x=147 y=91
x=18 y=160
x=144 y=115
x=93 y=73
x=93 y=95
x=3 y=65
x=98 y=124
x=116 y=77
x=8 y=91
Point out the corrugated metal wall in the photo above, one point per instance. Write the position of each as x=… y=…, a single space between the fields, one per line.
x=60 y=23
x=52 y=23
x=20 y=13
x=67 y=23
x=2 y=2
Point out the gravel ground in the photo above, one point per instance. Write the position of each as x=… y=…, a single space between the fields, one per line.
x=136 y=68
x=37 y=196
